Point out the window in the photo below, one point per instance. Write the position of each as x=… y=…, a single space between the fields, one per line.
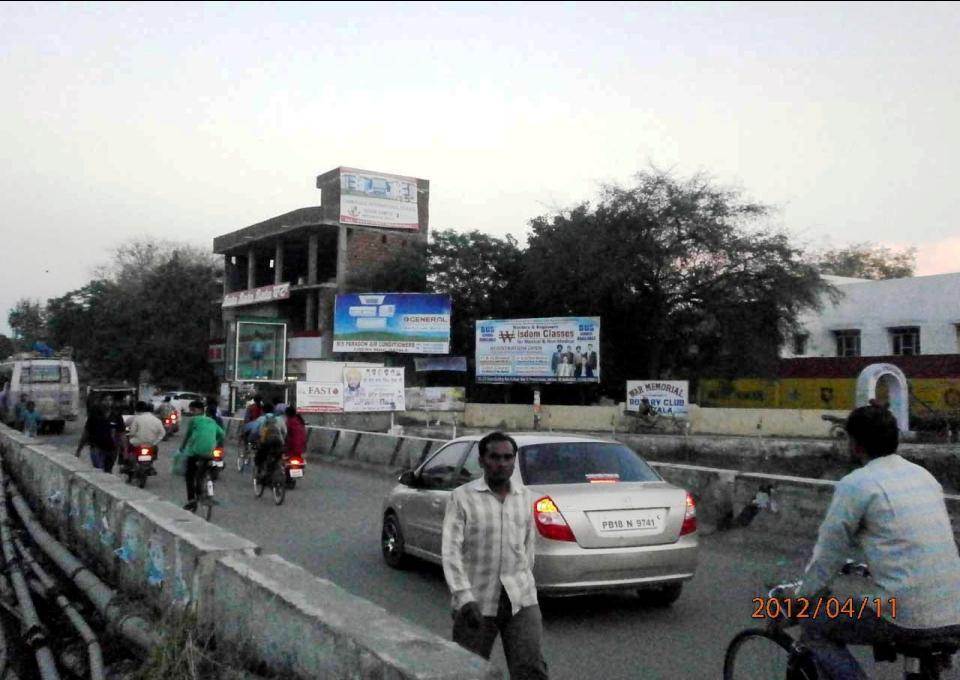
x=471 y=469
x=582 y=463
x=906 y=341
x=800 y=344
x=848 y=343
x=438 y=471
x=44 y=374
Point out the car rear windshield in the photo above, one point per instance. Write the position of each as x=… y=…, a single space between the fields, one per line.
x=582 y=463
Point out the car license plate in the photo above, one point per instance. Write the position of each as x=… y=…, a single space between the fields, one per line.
x=218 y=463
x=296 y=472
x=144 y=459
x=626 y=521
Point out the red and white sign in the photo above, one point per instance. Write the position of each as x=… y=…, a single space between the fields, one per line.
x=320 y=397
x=254 y=296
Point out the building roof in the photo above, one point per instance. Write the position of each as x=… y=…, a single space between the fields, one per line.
x=271 y=228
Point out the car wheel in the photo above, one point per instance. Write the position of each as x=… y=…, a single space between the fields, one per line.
x=391 y=543
x=662 y=596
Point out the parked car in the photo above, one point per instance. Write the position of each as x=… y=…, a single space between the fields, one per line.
x=606 y=520
x=180 y=400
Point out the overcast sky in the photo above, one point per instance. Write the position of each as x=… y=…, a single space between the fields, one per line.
x=187 y=121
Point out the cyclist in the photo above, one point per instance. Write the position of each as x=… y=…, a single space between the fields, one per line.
x=202 y=437
x=270 y=449
x=894 y=511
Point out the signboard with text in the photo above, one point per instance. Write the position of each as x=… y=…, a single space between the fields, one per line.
x=257 y=295
x=320 y=397
x=373 y=389
x=666 y=397
x=549 y=350
x=411 y=323
x=378 y=200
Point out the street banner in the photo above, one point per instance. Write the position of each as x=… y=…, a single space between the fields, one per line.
x=436 y=398
x=272 y=293
x=409 y=323
x=320 y=397
x=549 y=350
x=666 y=397
x=373 y=389
x=378 y=200
x=260 y=351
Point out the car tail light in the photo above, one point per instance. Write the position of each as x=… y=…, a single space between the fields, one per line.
x=550 y=523
x=689 y=517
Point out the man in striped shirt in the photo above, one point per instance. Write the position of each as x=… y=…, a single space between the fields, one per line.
x=893 y=511
x=488 y=545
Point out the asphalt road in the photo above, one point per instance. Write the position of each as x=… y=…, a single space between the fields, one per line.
x=330 y=525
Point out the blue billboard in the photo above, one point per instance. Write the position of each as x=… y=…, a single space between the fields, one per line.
x=411 y=323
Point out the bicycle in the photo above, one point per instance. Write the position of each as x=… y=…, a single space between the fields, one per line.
x=275 y=477
x=784 y=656
x=245 y=454
x=204 y=487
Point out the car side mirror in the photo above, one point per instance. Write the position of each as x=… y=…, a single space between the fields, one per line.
x=408 y=478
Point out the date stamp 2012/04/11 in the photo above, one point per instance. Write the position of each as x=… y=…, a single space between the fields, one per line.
x=831 y=607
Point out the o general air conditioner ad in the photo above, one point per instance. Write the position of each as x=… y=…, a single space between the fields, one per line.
x=555 y=350
x=378 y=200
x=409 y=323
x=666 y=397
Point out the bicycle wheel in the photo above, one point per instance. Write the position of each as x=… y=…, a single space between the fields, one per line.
x=759 y=653
x=279 y=484
x=257 y=485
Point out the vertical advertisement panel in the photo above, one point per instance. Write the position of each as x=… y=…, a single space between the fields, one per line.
x=549 y=350
x=412 y=323
x=260 y=350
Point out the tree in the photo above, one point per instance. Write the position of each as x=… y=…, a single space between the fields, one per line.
x=867 y=261
x=685 y=279
x=27 y=319
x=7 y=347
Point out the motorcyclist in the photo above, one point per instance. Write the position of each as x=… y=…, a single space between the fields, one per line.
x=145 y=429
x=202 y=436
x=166 y=408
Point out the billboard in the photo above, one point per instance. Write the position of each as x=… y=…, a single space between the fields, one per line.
x=320 y=397
x=551 y=350
x=373 y=389
x=436 y=398
x=378 y=200
x=260 y=351
x=411 y=323
x=666 y=397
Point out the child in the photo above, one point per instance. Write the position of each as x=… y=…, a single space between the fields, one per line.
x=31 y=420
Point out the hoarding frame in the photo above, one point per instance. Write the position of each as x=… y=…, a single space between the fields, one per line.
x=283 y=346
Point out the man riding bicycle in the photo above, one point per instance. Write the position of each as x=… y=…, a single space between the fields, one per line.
x=202 y=437
x=894 y=511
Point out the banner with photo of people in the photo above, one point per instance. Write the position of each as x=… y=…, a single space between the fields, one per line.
x=260 y=350
x=548 y=350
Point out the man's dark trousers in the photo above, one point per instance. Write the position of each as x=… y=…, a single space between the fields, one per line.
x=520 y=633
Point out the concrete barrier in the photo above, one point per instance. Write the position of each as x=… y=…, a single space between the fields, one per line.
x=300 y=626
x=345 y=444
x=379 y=449
x=320 y=440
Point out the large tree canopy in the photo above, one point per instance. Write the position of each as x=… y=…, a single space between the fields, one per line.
x=28 y=322
x=867 y=261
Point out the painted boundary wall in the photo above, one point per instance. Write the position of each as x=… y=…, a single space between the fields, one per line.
x=304 y=627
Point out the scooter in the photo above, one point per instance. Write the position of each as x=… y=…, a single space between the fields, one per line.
x=216 y=464
x=293 y=468
x=138 y=464
x=171 y=424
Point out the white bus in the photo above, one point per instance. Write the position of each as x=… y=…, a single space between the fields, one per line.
x=50 y=383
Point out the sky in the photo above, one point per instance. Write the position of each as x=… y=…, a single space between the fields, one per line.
x=187 y=121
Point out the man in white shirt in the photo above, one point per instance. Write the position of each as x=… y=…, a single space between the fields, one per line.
x=893 y=511
x=488 y=551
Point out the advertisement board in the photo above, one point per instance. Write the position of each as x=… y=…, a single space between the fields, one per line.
x=320 y=397
x=280 y=291
x=373 y=389
x=666 y=397
x=410 y=323
x=549 y=350
x=378 y=200
x=260 y=351
x=436 y=398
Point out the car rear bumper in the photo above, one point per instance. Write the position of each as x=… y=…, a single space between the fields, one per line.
x=566 y=568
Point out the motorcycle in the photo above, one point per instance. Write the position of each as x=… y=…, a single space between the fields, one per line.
x=293 y=468
x=217 y=463
x=139 y=463
x=171 y=424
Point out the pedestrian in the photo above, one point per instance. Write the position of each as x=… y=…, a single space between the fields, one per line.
x=118 y=429
x=98 y=435
x=31 y=420
x=488 y=551
x=18 y=412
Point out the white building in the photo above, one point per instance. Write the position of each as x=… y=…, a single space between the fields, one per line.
x=896 y=317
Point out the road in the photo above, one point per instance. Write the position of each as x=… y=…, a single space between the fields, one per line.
x=330 y=525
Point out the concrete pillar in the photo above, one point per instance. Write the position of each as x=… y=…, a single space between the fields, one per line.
x=251 y=269
x=311 y=321
x=227 y=274
x=278 y=264
x=342 y=257
x=312 y=253
x=322 y=318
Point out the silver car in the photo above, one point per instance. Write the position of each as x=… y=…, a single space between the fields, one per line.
x=606 y=520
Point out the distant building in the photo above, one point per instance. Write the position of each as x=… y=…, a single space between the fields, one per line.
x=913 y=323
x=281 y=275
